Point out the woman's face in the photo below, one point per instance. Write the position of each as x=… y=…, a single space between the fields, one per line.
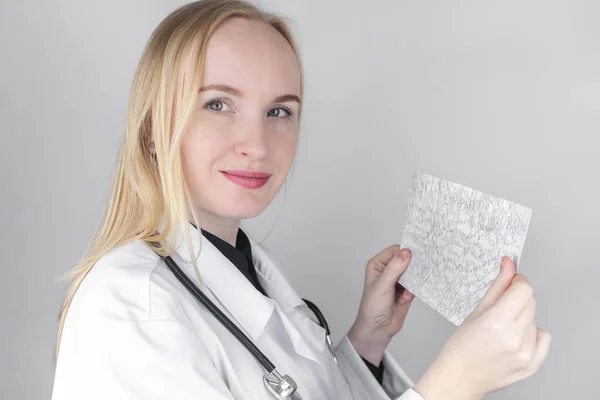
x=241 y=138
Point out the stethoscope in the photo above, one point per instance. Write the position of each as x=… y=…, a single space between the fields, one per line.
x=283 y=387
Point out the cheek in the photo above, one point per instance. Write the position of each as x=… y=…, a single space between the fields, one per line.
x=200 y=150
x=285 y=151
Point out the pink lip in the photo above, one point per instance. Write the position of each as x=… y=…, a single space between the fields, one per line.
x=247 y=179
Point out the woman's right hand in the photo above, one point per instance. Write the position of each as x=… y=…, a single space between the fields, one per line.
x=497 y=345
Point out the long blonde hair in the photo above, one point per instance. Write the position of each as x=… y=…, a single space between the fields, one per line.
x=148 y=184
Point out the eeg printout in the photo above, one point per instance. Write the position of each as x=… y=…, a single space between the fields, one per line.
x=457 y=237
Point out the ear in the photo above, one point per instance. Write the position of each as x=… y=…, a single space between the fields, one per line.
x=152 y=150
x=146 y=141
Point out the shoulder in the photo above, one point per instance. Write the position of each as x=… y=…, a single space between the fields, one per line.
x=123 y=285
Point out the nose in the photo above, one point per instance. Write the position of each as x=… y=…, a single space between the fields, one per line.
x=252 y=140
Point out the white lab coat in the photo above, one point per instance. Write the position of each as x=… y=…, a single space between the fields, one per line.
x=134 y=332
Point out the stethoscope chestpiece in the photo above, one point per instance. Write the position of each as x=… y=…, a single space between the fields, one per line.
x=282 y=387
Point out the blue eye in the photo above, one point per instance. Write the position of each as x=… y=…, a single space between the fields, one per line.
x=221 y=105
x=278 y=112
x=217 y=105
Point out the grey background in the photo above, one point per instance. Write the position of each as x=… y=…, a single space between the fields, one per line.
x=502 y=96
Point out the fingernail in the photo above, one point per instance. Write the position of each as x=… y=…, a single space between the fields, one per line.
x=403 y=255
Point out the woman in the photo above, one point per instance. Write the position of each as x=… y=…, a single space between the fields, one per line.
x=211 y=134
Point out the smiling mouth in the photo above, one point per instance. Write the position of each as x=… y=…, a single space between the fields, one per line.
x=247 y=179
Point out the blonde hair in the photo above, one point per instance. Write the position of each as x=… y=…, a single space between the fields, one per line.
x=148 y=184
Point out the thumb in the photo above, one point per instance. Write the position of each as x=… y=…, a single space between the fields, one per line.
x=394 y=269
x=498 y=287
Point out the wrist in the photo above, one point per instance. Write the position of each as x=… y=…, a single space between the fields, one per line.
x=441 y=383
x=370 y=347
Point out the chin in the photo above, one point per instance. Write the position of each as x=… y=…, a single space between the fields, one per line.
x=242 y=209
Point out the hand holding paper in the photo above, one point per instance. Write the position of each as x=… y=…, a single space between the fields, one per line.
x=457 y=237
x=497 y=345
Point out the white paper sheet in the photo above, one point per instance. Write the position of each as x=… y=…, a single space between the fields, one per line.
x=457 y=237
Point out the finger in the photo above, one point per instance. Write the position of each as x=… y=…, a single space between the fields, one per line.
x=541 y=349
x=400 y=290
x=406 y=297
x=527 y=316
x=526 y=323
x=498 y=287
x=376 y=265
x=394 y=270
x=515 y=298
x=403 y=295
x=530 y=341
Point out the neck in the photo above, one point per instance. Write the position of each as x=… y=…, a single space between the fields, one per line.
x=223 y=228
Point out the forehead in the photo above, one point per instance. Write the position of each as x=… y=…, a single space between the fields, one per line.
x=251 y=56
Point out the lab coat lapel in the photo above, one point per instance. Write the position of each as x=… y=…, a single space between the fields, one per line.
x=279 y=289
x=238 y=297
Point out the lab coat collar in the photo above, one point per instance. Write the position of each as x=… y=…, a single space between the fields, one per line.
x=239 y=297
x=278 y=288
x=269 y=276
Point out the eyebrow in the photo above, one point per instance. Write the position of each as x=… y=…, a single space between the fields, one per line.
x=236 y=92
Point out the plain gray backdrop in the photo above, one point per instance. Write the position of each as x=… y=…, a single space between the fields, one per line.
x=501 y=96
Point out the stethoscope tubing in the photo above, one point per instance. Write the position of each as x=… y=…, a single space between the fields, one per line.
x=313 y=307
x=235 y=331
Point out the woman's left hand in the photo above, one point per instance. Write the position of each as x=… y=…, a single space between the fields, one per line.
x=384 y=304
